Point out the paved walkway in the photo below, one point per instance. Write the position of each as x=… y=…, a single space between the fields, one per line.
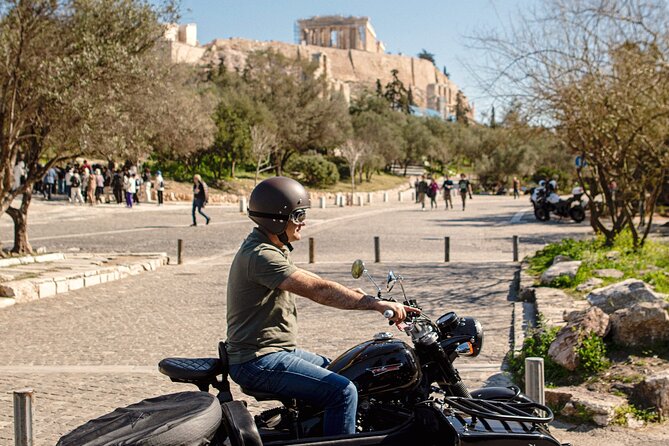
x=98 y=348
x=94 y=349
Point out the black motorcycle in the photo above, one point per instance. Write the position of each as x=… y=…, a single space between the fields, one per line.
x=573 y=207
x=406 y=395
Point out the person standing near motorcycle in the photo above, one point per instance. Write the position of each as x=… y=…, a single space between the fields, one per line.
x=262 y=316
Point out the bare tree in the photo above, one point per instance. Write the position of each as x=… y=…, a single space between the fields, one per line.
x=596 y=71
x=263 y=141
x=353 y=151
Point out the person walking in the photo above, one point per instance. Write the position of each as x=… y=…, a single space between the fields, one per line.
x=465 y=188
x=422 y=192
x=447 y=187
x=68 y=182
x=99 y=186
x=432 y=191
x=262 y=313
x=200 y=198
x=49 y=183
x=117 y=186
x=160 y=187
x=130 y=187
x=92 y=185
x=516 y=188
x=146 y=179
x=75 y=188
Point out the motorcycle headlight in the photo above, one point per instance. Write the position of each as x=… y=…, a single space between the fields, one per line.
x=470 y=328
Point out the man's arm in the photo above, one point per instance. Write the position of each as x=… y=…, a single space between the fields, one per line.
x=333 y=294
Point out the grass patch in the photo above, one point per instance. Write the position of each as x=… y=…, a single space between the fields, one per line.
x=645 y=415
x=649 y=263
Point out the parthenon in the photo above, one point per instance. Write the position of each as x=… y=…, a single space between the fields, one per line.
x=340 y=32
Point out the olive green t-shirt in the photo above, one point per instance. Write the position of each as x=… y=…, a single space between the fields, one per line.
x=262 y=318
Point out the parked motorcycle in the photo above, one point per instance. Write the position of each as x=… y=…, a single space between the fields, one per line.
x=544 y=202
x=407 y=394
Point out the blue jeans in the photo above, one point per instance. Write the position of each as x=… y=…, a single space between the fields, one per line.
x=197 y=205
x=302 y=375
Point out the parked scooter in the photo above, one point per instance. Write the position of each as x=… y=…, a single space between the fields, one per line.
x=545 y=200
x=407 y=394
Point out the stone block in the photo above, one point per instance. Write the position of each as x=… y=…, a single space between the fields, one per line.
x=75 y=284
x=20 y=290
x=653 y=393
x=49 y=257
x=600 y=408
x=560 y=269
x=47 y=288
x=91 y=280
x=62 y=286
x=643 y=324
x=623 y=294
x=609 y=273
x=6 y=302
x=104 y=277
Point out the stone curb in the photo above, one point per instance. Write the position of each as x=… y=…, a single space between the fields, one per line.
x=31 y=259
x=27 y=290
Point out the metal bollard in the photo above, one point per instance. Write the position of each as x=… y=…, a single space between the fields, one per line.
x=447 y=249
x=399 y=197
x=242 y=205
x=534 y=379
x=23 y=417
x=180 y=246
x=369 y=197
x=312 y=250
x=385 y=197
x=413 y=195
x=341 y=201
x=360 y=200
x=377 y=250
x=322 y=202
x=515 y=248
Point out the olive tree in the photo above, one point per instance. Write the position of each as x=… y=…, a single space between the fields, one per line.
x=69 y=71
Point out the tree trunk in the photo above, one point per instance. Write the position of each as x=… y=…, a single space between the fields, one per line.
x=20 y=218
x=232 y=168
x=257 y=172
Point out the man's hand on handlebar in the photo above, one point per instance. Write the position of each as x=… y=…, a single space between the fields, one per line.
x=399 y=311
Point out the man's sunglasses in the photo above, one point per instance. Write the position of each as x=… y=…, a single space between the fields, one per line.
x=298 y=216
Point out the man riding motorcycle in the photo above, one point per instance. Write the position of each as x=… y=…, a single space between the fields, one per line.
x=261 y=312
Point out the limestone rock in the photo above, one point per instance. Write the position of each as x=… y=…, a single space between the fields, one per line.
x=560 y=269
x=653 y=392
x=589 y=284
x=609 y=273
x=560 y=259
x=579 y=402
x=622 y=295
x=580 y=324
x=644 y=323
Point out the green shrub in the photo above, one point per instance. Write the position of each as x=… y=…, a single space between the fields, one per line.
x=592 y=355
x=536 y=344
x=645 y=415
x=314 y=170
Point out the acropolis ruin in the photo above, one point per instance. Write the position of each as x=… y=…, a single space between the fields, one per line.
x=344 y=33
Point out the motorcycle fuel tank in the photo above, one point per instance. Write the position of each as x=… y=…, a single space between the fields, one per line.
x=379 y=366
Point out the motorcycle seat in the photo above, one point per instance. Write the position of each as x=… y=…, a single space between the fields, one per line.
x=191 y=369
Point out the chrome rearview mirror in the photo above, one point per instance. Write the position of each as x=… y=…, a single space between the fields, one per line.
x=358 y=269
x=390 y=283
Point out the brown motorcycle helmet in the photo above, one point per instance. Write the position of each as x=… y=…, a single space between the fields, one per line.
x=273 y=200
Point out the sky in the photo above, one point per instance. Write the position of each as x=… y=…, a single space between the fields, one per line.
x=441 y=27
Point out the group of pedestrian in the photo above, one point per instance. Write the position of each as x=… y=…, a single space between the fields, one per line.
x=425 y=189
x=86 y=183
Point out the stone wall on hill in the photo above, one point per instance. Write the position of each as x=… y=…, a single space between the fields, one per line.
x=347 y=70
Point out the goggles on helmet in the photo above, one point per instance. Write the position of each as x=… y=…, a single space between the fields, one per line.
x=298 y=216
